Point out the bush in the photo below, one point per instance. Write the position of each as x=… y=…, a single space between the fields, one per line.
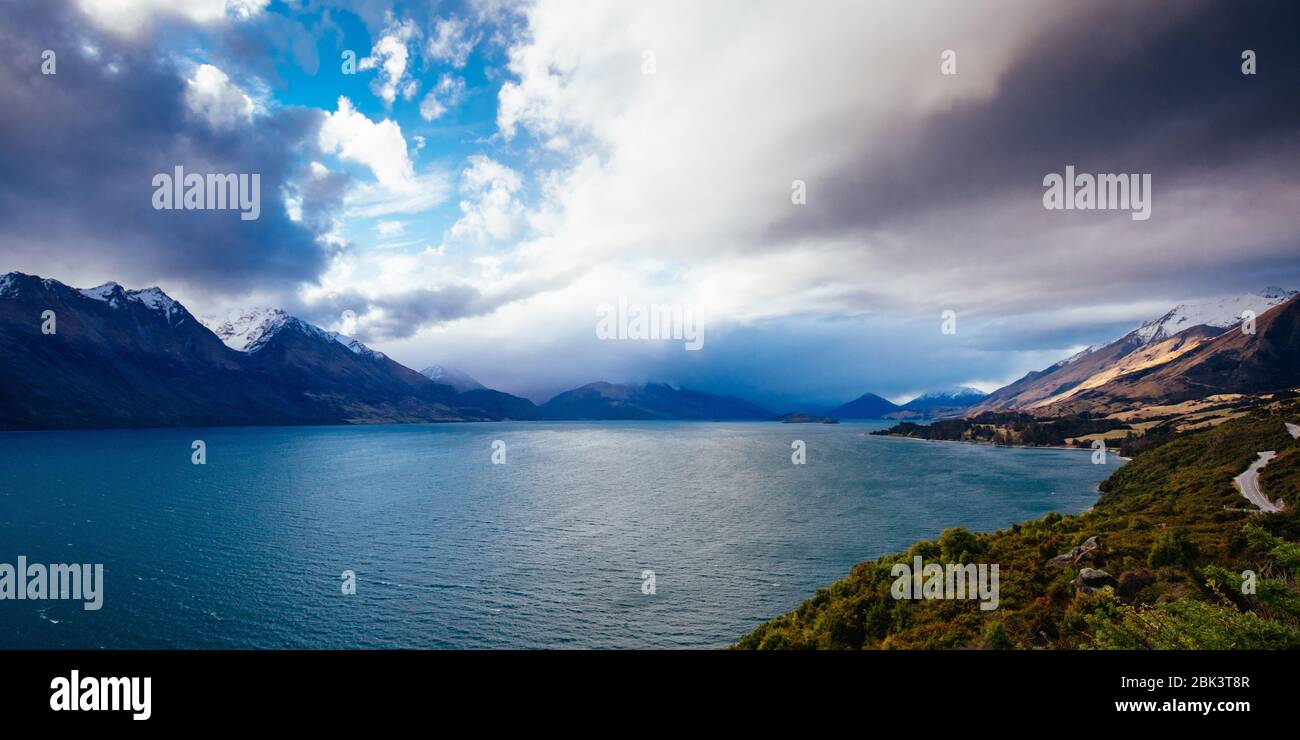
x=1172 y=547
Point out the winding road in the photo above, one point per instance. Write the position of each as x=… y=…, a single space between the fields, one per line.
x=1248 y=482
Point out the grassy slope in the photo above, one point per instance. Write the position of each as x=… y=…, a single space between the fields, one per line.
x=1164 y=533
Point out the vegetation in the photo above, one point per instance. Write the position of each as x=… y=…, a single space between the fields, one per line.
x=1189 y=566
x=1009 y=428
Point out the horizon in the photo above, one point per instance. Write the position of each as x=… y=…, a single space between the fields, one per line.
x=788 y=407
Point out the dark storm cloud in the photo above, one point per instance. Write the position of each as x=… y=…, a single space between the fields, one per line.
x=400 y=315
x=1114 y=87
x=1108 y=87
x=79 y=150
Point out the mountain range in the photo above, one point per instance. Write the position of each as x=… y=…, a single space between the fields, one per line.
x=933 y=405
x=1191 y=352
x=113 y=357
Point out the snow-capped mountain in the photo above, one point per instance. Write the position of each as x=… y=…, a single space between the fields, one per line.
x=941 y=404
x=1191 y=351
x=958 y=395
x=151 y=298
x=458 y=379
x=249 y=330
x=138 y=358
x=1220 y=314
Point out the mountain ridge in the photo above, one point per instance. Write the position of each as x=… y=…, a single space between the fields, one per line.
x=1088 y=380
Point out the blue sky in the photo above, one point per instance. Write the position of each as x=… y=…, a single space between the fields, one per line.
x=496 y=171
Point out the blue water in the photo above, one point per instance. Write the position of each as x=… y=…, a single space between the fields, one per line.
x=452 y=551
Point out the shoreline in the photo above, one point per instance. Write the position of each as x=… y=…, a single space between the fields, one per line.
x=1110 y=450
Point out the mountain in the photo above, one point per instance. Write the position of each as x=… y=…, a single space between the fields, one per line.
x=1180 y=333
x=138 y=358
x=649 y=401
x=474 y=395
x=866 y=406
x=1230 y=362
x=943 y=404
x=458 y=379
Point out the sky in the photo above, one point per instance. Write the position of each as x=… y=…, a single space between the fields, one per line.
x=468 y=183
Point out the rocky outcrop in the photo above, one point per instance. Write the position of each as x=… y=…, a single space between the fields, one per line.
x=1093 y=579
x=1086 y=551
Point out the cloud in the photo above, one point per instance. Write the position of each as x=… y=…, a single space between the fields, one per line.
x=213 y=97
x=84 y=214
x=451 y=42
x=389 y=56
x=492 y=213
x=447 y=94
x=387 y=229
x=129 y=16
x=378 y=146
x=381 y=148
x=924 y=189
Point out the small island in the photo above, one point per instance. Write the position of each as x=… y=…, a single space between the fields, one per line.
x=799 y=417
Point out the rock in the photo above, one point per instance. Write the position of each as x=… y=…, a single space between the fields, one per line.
x=1093 y=579
x=1077 y=553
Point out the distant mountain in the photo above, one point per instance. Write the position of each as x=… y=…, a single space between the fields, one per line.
x=649 y=401
x=475 y=396
x=458 y=379
x=1154 y=362
x=138 y=358
x=866 y=406
x=944 y=404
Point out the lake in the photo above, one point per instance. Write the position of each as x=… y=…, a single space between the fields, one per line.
x=450 y=550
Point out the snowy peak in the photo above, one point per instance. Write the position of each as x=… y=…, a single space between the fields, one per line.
x=458 y=379
x=151 y=298
x=353 y=344
x=1220 y=314
x=961 y=392
x=959 y=397
x=249 y=330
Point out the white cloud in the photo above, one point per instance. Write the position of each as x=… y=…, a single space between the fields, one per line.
x=211 y=95
x=390 y=56
x=492 y=213
x=128 y=16
x=387 y=229
x=381 y=148
x=451 y=42
x=448 y=92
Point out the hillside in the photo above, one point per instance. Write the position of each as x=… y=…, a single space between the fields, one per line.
x=137 y=358
x=1171 y=537
x=866 y=406
x=1147 y=365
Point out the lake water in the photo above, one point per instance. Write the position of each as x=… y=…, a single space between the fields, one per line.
x=452 y=551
